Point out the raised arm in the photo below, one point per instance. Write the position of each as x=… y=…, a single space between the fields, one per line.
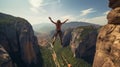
x=51 y=20
x=65 y=21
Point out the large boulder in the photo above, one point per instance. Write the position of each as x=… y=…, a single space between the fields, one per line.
x=17 y=38
x=108 y=41
x=108 y=47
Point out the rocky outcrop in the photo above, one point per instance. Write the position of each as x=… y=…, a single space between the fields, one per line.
x=3 y=54
x=5 y=60
x=17 y=38
x=76 y=35
x=108 y=41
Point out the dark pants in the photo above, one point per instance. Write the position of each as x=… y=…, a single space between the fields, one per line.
x=58 y=32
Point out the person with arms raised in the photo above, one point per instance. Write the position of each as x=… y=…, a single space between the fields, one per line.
x=58 y=25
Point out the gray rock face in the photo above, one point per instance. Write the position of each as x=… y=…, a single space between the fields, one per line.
x=108 y=41
x=17 y=38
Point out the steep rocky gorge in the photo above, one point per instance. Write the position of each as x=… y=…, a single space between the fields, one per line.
x=108 y=41
x=17 y=38
x=82 y=41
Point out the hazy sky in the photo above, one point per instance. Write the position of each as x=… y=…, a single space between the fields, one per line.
x=38 y=11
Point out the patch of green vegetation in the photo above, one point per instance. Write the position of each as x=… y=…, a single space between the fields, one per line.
x=65 y=54
x=47 y=57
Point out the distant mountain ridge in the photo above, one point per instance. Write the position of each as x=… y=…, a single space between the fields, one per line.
x=43 y=27
x=48 y=27
x=76 y=24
